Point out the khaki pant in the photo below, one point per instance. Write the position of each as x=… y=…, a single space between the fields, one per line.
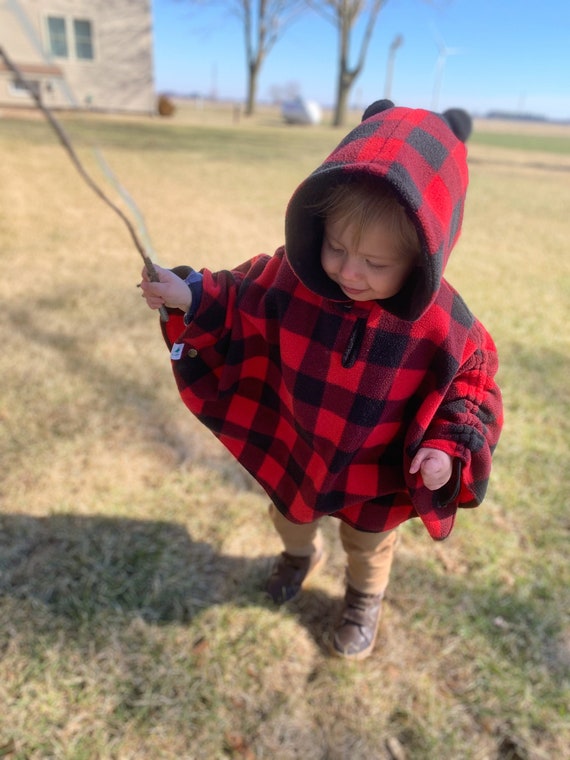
x=369 y=555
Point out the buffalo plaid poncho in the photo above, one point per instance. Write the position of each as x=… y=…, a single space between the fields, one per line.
x=324 y=400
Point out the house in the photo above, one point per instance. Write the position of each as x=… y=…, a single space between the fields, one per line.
x=91 y=54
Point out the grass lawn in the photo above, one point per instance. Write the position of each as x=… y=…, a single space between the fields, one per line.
x=133 y=548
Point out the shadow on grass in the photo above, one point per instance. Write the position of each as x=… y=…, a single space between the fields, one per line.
x=79 y=568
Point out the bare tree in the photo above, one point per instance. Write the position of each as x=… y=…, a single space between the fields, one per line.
x=263 y=23
x=344 y=14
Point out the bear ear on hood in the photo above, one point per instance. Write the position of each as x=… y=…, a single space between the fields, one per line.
x=459 y=122
x=377 y=107
x=457 y=119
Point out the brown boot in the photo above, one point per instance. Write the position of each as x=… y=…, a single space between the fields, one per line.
x=288 y=575
x=355 y=635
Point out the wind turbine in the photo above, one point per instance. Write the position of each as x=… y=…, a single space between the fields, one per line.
x=397 y=42
x=443 y=53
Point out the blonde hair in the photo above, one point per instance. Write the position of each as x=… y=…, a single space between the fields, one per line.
x=368 y=200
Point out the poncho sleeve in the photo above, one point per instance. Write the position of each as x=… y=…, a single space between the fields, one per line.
x=214 y=319
x=465 y=422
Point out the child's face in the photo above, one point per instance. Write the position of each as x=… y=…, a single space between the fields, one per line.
x=373 y=269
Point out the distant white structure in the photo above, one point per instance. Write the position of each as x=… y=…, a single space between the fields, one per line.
x=301 y=111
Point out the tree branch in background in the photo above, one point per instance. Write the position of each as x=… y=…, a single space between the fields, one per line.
x=263 y=23
x=344 y=14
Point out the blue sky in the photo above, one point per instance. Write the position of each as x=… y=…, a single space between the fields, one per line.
x=509 y=55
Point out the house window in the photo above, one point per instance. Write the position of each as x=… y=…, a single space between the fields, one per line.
x=83 y=32
x=76 y=34
x=57 y=36
x=20 y=89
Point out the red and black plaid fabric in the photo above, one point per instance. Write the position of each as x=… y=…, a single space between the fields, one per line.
x=325 y=401
x=416 y=152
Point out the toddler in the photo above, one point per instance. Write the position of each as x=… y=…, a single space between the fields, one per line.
x=344 y=372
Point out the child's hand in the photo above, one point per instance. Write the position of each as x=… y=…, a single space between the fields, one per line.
x=171 y=290
x=434 y=466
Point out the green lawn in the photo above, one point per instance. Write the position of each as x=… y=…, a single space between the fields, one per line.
x=547 y=143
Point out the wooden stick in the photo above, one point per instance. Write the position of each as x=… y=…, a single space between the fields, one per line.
x=65 y=141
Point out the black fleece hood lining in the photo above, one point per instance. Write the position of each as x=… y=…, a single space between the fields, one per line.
x=304 y=236
x=304 y=230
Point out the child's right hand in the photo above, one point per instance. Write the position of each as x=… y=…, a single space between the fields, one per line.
x=170 y=291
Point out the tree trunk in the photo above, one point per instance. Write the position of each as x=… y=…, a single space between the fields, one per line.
x=252 y=72
x=346 y=16
x=345 y=80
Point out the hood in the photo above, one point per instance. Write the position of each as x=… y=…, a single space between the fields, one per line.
x=422 y=156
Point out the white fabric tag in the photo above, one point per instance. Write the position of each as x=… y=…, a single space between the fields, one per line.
x=176 y=351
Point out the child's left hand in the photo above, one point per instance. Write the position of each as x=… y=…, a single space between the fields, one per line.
x=434 y=466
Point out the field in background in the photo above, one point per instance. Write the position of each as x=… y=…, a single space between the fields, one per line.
x=132 y=548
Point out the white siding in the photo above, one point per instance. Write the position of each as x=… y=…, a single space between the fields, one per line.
x=119 y=77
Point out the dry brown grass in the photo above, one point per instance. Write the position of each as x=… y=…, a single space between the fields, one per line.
x=132 y=548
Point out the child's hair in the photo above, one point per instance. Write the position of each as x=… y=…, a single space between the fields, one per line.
x=367 y=200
